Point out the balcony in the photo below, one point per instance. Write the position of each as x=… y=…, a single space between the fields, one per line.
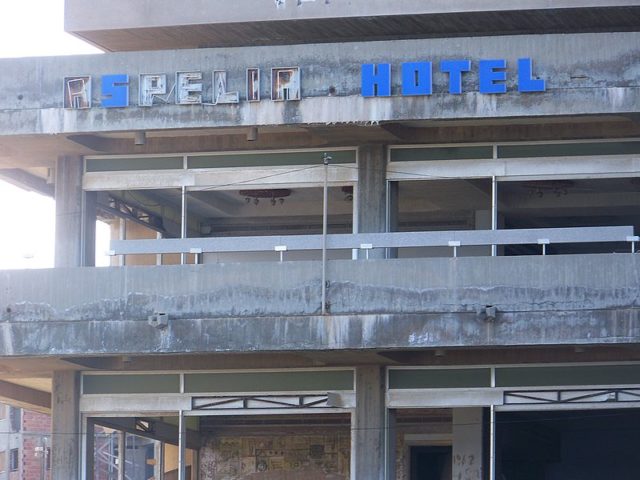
x=376 y=304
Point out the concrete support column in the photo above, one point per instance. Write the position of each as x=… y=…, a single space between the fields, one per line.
x=75 y=216
x=65 y=426
x=393 y=203
x=372 y=192
x=368 y=424
x=467 y=443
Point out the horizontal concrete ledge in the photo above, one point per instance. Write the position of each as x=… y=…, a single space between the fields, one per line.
x=317 y=333
x=581 y=79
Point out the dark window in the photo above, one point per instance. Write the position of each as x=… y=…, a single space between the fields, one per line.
x=15 y=416
x=431 y=463
x=14 y=460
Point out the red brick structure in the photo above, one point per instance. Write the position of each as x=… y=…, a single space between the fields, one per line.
x=36 y=430
x=29 y=436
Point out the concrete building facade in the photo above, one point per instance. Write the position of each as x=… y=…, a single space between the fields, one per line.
x=351 y=240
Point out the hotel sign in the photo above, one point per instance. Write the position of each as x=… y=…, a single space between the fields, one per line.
x=417 y=77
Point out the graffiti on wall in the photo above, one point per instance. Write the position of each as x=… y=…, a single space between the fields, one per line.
x=317 y=457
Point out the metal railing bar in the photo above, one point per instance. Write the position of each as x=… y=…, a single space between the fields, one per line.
x=375 y=240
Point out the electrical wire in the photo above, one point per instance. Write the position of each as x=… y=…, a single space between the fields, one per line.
x=560 y=416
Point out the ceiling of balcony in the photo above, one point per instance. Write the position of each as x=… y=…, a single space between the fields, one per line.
x=346 y=29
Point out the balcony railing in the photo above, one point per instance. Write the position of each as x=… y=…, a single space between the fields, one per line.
x=369 y=241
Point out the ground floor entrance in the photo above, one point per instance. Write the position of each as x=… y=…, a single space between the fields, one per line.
x=402 y=423
x=529 y=445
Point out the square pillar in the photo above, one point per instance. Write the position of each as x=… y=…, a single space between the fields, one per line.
x=393 y=202
x=372 y=192
x=468 y=439
x=75 y=216
x=65 y=425
x=368 y=425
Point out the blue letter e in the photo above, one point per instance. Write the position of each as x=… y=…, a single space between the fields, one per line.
x=491 y=72
x=115 y=91
x=376 y=82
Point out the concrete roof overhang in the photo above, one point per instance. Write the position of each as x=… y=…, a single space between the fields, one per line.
x=123 y=26
x=37 y=153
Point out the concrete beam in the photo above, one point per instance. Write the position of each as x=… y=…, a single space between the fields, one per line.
x=617 y=326
x=25 y=397
x=27 y=181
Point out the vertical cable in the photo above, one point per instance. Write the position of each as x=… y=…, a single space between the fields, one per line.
x=182 y=469
x=326 y=158
x=494 y=211
x=183 y=223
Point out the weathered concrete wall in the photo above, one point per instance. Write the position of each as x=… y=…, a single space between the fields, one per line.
x=96 y=15
x=375 y=304
x=581 y=76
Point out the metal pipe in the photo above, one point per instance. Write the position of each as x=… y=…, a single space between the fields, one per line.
x=386 y=443
x=122 y=447
x=182 y=468
x=160 y=465
x=88 y=449
x=494 y=211
x=158 y=255
x=326 y=158
x=492 y=444
x=492 y=432
x=183 y=222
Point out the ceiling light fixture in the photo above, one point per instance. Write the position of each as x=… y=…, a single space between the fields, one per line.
x=252 y=134
x=275 y=196
x=140 y=138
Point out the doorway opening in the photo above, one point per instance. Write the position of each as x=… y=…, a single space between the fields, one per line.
x=430 y=462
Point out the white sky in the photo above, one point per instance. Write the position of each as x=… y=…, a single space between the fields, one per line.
x=33 y=28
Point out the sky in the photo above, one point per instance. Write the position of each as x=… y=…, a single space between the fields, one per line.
x=34 y=28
